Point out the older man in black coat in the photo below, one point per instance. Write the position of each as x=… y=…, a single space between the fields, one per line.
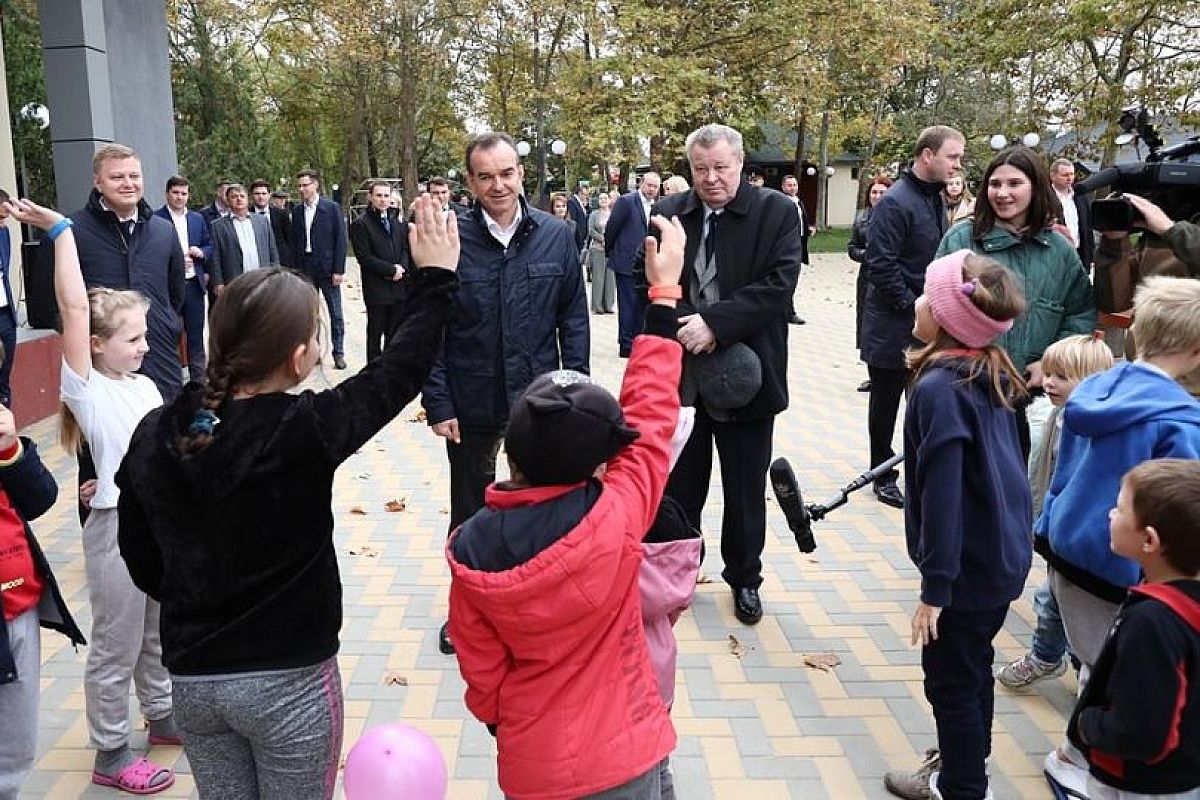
x=740 y=271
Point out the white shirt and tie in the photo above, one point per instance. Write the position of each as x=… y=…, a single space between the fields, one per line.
x=1070 y=214
x=310 y=211
x=244 y=228
x=180 y=222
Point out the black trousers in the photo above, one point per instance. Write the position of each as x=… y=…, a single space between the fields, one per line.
x=472 y=468
x=887 y=387
x=382 y=321
x=959 y=686
x=745 y=452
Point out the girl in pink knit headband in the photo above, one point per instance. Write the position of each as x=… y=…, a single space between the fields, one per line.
x=967 y=514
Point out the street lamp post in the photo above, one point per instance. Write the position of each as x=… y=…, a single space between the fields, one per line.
x=999 y=141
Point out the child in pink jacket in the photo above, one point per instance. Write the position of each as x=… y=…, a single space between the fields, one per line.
x=671 y=555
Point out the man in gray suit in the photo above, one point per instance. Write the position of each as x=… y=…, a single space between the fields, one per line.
x=241 y=242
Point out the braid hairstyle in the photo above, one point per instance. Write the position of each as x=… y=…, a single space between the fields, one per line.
x=256 y=325
x=998 y=295
x=106 y=308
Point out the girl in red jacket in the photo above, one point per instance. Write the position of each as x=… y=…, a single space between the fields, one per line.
x=544 y=605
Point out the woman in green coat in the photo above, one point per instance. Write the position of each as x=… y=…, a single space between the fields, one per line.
x=1013 y=219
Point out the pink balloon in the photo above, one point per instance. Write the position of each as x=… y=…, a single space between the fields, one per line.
x=395 y=762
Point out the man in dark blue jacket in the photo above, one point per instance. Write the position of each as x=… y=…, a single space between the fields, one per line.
x=122 y=245
x=623 y=236
x=197 y=248
x=906 y=227
x=319 y=248
x=520 y=312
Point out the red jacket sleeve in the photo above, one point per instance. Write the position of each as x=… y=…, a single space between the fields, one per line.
x=650 y=400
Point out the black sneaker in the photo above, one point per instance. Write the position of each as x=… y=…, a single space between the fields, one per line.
x=444 y=643
x=889 y=494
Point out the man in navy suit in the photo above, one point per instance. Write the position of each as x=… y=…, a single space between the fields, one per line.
x=319 y=250
x=194 y=241
x=577 y=210
x=623 y=236
x=8 y=312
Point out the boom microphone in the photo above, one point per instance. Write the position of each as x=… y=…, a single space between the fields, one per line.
x=791 y=502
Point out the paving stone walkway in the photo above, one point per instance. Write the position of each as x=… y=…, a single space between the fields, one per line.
x=753 y=720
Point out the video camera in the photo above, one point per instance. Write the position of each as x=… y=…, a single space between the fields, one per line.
x=1168 y=178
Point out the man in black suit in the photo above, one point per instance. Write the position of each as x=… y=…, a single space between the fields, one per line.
x=281 y=224
x=1077 y=210
x=319 y=249
x=577 y=210
x=791 y=187
x=740 y=268
x=218 y=207
x=380 y=240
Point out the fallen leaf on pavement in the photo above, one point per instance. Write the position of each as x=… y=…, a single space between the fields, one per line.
x=737 y=648
x=419 y=417
x=358 y=510
x=702 y=578
x=396 y=505
x=822 y=661
x=394 y=678
x=366 y=550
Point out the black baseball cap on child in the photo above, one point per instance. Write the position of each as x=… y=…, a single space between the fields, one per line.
x=563 y=427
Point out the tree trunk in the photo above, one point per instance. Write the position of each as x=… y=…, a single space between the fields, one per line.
x=870 y=157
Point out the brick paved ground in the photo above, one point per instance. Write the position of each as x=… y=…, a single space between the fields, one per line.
x=760 y=724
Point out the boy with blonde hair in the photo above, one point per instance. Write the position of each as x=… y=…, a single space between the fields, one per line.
x=1134 y=412
x=1138 y=720
x=1064 y=364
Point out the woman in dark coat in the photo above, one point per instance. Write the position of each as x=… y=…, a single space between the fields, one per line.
x=857 y=250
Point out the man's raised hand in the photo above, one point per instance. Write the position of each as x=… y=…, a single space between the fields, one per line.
x=433 y=236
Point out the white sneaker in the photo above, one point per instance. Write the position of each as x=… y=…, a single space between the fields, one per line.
x=1068 y=776
x=935 y=793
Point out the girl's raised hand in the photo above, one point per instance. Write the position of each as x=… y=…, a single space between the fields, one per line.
x=664 y=259
x=433 y=235
x=30 y=213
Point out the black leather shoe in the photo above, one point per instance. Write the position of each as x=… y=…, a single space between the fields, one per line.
x=890 y=495
x=339 y=362
x=795 y=319
x=747 y=606
x=865 y=386
x=444 y=643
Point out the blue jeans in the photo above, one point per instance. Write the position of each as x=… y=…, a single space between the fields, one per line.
x=1049 y=642
x=8 y=338
x=337 y=323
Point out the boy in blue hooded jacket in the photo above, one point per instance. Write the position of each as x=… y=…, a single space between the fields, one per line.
x=1115 y=420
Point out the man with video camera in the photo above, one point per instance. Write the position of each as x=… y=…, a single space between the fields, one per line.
x=1166 y=247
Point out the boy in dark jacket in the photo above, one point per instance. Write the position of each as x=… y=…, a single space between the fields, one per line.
x=30 y=598
x=1138 y=720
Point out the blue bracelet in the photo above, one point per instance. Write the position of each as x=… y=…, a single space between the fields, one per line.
x=58 y=228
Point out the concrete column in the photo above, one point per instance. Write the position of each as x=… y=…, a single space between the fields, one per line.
x=107 y=80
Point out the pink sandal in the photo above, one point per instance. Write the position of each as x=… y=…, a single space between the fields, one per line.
x=137 y=778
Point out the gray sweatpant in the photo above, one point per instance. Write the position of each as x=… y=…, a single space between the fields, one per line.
x=124 y=644
x=647 y=786
x=19 y=704
x=263 y=735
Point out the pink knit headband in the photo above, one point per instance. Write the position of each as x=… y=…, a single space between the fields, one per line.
x=950 y=301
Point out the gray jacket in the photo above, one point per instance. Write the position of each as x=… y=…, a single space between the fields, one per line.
x=226 y=261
